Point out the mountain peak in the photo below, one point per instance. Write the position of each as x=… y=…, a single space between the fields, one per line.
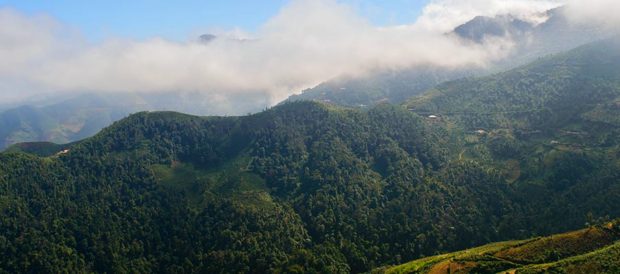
x=483 y=27
x=206 y=38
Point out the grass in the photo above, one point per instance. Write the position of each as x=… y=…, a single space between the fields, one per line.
x=591 y=250
x=512 y=170
x=560 y=246
x=424 y=265
x=231 y=180
x=604 y=260
x=42 y=149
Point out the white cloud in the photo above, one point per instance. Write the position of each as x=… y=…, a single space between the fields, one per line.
x=444 y=15
x=27 y=43
x=597 y=12
x=309 y=41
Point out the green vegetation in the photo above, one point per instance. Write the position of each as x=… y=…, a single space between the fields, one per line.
x=394 y=86
x=592 y=250
x=300 y=187
x=307 y=187
x=60 y=122
x=232 y=180
x=605 y=260
x=43 y=149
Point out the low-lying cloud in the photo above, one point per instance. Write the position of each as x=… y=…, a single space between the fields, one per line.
x=598 y=12
x=307 y=42
x=444 y=15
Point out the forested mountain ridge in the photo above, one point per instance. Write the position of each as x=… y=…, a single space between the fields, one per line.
x=59 y=122
x=288 y=188
x=392 y=86
x=70 y=118
x=549 y=126
x=540 y=94
x=530 y=41
x=310 y=187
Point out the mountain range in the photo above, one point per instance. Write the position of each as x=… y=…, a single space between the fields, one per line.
x=70 y=118
x=531 y=41
x=67 y=118
x=311 y=187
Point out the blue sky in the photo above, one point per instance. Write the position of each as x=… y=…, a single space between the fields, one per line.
x=310 y=41
x=179 y=20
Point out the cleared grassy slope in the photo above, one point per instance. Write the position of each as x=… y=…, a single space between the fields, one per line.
x=604 y=260
x=591 y=250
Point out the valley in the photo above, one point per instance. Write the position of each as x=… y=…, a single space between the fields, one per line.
x=484 y=145
x=308 y=186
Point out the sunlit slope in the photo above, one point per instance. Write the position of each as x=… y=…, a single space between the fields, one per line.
x=309 y=187
x=550 y=93
x=592 y=250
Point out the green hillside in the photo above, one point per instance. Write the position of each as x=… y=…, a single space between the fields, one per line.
x=592 y=250
x=548 y=125
x=307 y=187
x=554 y=92
x=531 y=42
x=59 y=122
x=72 y=117
x=303 y=186
x=392 y=86
x=43 y=149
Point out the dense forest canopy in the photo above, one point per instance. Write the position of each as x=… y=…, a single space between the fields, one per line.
x=310 y=187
